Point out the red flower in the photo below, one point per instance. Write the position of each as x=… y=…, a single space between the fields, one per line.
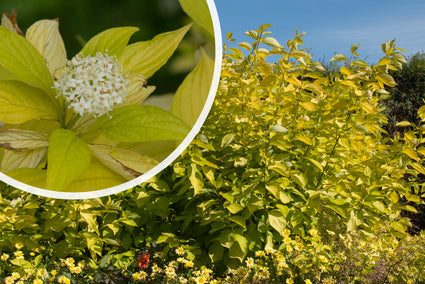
x=143 y=260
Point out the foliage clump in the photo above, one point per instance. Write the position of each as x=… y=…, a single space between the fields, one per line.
x=290 y=164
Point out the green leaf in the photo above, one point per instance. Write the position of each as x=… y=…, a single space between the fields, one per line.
x=67 y=158
x=234 y=208
x=20 y=103
x=111 y=41
x=277 y=220
x=239 y=248
x=140 y=123
x=215 y=252
x=148 y=56
x=238 y=220
x=200 y=13
x=192 y=94
x=227 y=139
x=160 y=207
x=20 y=57
x=94 y=244
x=300 y=180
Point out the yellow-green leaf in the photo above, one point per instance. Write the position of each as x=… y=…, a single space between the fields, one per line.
x=234 y=208
x=277 y=221
x=386 y=79
x=20 y=103
x=140 y=123
x=136 y=88
x=128 y=164
x=300 y=180
x=309 y=106
x=22 y=159
x=45 y=37
x=198 y=10
x=412 y=154
x=195 y=178
x=33 y=177
x=338 y=57
x=67 y=158
x=192 y=94
x=419 y=168
x=18 y=140
x=19 y=57
x=147 y=57
x=384 y=61
x=367 y=107
x=238 y=220
x=96 y=177
x=111 y=41
x=404 y=123
x=303 y=138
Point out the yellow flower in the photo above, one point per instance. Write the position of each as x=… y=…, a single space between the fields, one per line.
x=286 y=233
x=37 y=281
x=42 y=272
x=259 y=253
x=15 y=275
x=182 y=280
x=336 y=267
x=53 y=272
x=170 y=272
x=4 y=257
x=64 y=280
x=313 y=232
x=19 y=245
x=69 y=261
x=287 y=240
x=75 y=269
x=289 y=281
x=308 y=281
x=180 y=251
x=9 y=280
x=250 y=262
x=188 y=264
x=19 y=254
x=139 y=276
x=156 y=269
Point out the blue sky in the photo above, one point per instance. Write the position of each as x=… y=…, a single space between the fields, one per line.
x=331 y=26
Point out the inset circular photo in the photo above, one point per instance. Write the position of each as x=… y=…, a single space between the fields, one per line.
x=118 y=106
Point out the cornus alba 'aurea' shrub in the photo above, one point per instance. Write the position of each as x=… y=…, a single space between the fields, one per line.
x=289 y=180
x=58 y=112
x=288 y=148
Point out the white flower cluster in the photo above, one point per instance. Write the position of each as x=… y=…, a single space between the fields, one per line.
x=92 y=84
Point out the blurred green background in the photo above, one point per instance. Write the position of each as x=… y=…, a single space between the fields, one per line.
x=79 y=20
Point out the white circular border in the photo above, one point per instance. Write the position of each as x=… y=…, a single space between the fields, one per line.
x=163 y=164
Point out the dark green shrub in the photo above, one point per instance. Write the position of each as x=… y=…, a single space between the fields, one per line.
x=407 y=96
